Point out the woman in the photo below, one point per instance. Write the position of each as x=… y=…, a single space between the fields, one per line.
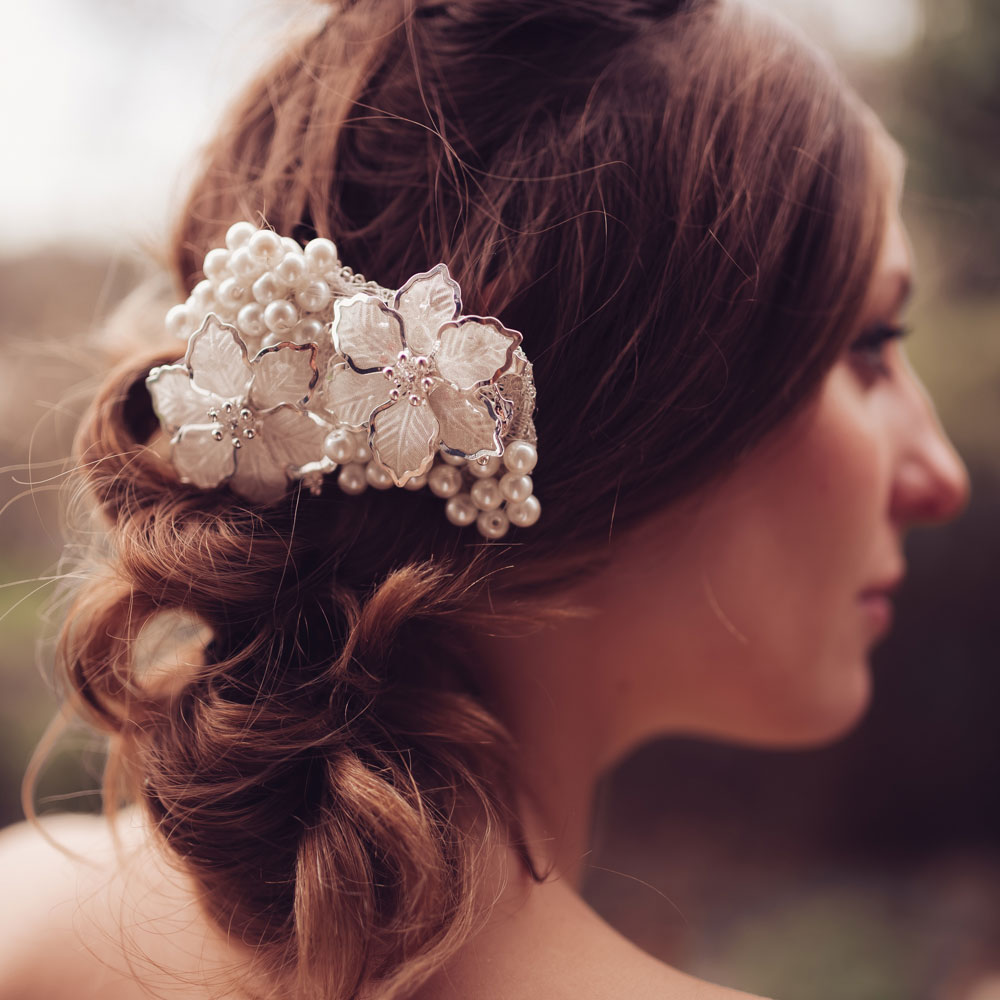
x=369 y=772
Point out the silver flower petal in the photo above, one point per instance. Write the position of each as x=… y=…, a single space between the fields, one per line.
x=473 y=350
x=294 y=436
x=426 y=302
x=468 y=423
x=199 y=458
x=404 y=439
x=176 y=399
x=367 y=332
x=260 y=474
x=350 y=397
x=218 y=358
x=285 y=373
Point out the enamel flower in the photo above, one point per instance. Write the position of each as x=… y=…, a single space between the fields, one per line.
x=240 y=420
x=415 y=372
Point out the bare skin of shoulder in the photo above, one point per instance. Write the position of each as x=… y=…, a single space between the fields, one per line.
x=122 y=924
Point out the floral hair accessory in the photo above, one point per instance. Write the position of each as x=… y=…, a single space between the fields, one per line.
x=297 y=367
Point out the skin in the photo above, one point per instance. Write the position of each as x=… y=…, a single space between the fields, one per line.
x=743 y=614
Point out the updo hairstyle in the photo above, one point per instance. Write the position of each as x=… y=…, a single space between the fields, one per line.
x=679 y=205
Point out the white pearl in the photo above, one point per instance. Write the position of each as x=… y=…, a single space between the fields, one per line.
x=178 y=321
x=314 y=297
x=352 y=479
x=202 y=296
x=338 y=446
x=490 y=468
x=451 y=459
x=416 y=483
x=515 y=487
x=486 y=493
x=267 y=288
x=243 y=265
x=444 y=480
x=321 y=255
x=362 y=453
x=216 y=264
x=291 y=269
x=239 y=234
x=250 y=320
x=265 y=247
x=378 y=476
x=290 y=245
x=520 y=457
x=309 y=329
x=280 y=316
x=492 y=524
x=524 y=513
x=232 y=293
x=461 y=510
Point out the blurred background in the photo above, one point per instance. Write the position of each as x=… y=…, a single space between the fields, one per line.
x=870 y=869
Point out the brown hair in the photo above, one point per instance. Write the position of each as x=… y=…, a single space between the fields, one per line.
x=679 y=205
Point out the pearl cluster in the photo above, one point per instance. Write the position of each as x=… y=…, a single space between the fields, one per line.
x=267 y=286
x=493 y=493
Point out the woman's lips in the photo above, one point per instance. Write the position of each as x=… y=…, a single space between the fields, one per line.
x=877 y=605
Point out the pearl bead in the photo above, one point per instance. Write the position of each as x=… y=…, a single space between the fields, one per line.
x=250 y=320
x=280 y=316
x=524 y=513
x=520 y=457
x=492 y=524
x=452 y=459
x=267 y=288
x=490 y=468
x=362 y=453
x=202 y=296
x=321 y=255
x=378 y=476
x=461 y=510
x=444 y=480
x=216 y=264
x=178 y=321
x=486 y=493
x=314 y=297
x=352 y=479
x=239 y=234
x=309 y=329
x=232 y=293
x=291 y=268
x=265 y=247
x=416 y=483
x=339 y=447
x=243 y=265
x=290 y=245
x=515 y=487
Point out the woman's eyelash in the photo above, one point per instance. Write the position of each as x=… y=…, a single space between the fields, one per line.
x=868 y=347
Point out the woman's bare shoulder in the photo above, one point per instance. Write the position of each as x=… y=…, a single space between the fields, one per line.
x=84 y=916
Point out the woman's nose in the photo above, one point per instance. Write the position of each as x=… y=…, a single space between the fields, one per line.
x=931 y=482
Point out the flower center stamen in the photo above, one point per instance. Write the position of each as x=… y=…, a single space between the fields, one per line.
x=410 y=377
x=238 y=422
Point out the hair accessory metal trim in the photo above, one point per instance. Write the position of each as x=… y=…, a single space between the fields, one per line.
x=296 y=367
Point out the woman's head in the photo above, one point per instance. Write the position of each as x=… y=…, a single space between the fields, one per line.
x=681 y=206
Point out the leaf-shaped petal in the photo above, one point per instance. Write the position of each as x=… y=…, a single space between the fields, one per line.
x=404 y=439
x=350 y=398
x=259 y=475
x=367 y=332
x=426 y=302
x=199 y=458
x=293 y=436
x=468 y=423
x=217 y=357
x=176 y=399
x=473 y=350
x=285 y=373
